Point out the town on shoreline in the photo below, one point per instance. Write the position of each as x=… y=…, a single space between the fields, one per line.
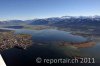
x=9 y=40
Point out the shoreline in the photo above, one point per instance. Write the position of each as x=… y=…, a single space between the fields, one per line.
x=78 y=45
x=10 y=40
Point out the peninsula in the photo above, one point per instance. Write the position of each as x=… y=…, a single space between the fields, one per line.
x=9 y=40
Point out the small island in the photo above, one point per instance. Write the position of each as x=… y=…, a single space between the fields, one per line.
x=10 y=40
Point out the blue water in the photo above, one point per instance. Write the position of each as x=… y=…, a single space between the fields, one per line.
x=52 y=35
x=17 y=57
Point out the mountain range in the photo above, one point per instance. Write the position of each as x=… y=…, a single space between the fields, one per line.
x=64 y=21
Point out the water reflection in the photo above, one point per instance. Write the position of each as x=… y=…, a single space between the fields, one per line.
x=19 y=57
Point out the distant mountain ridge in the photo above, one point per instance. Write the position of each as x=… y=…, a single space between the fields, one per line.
x=69 y=21
x=59 y=21
x=9 y=22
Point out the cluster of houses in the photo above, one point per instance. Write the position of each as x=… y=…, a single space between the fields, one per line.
x=9 y=40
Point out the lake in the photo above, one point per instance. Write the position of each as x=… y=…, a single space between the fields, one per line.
x=19 y=57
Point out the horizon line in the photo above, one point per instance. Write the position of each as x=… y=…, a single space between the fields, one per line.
x=4 y=19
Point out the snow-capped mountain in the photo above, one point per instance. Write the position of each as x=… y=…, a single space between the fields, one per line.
x=13 y=22
x=60 y=21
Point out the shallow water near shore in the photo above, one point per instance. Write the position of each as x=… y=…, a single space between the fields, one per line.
x=17 y=57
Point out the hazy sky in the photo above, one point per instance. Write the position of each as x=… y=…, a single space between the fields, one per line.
x=30 y=9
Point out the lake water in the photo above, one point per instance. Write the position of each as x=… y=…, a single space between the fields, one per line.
x=19 y=57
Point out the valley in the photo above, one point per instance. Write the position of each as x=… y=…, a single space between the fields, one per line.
x=66 y=37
